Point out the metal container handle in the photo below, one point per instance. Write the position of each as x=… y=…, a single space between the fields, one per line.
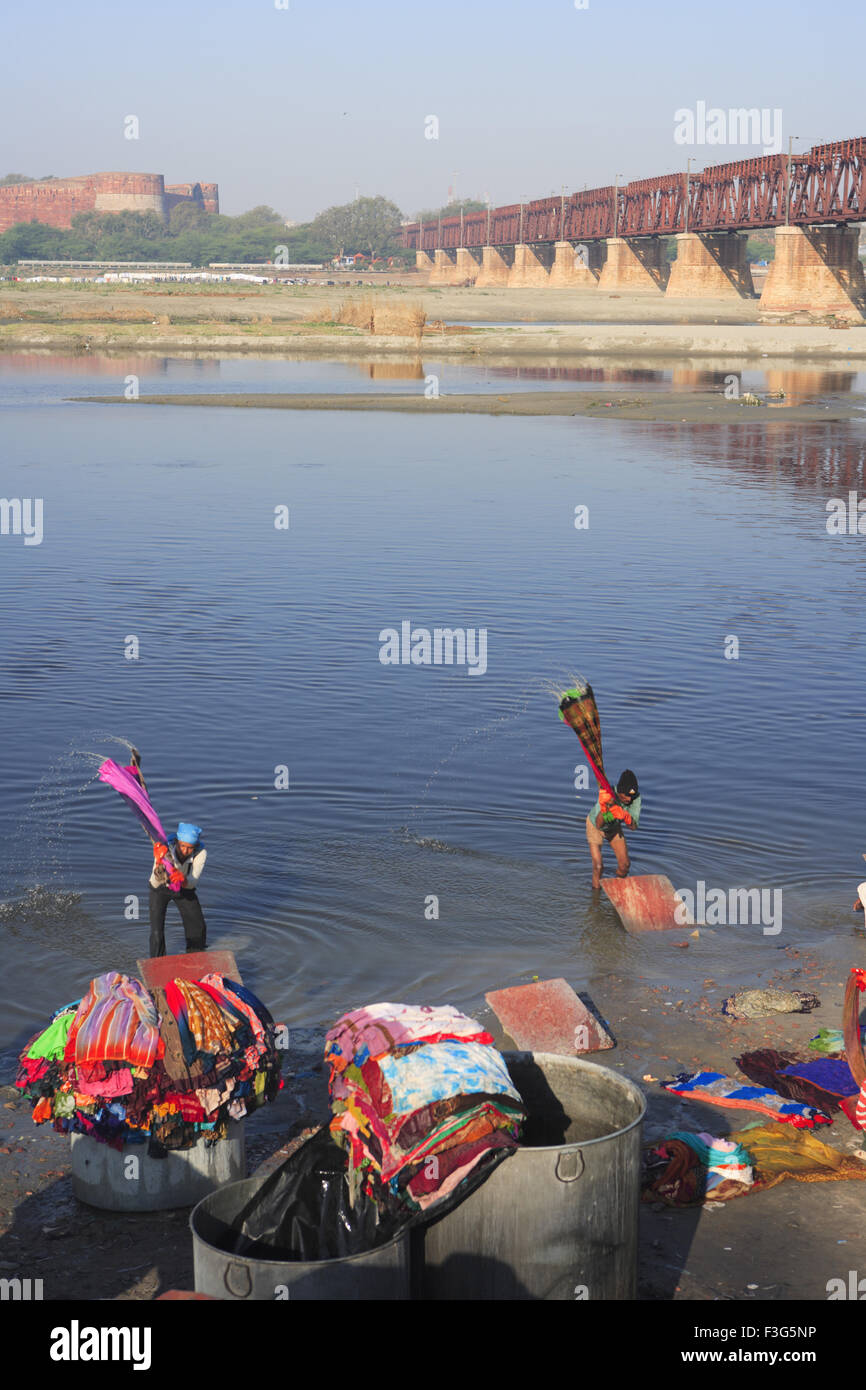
x=229 y=1275
x=570 y=1165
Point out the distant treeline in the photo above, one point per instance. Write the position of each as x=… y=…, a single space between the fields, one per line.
x=369 y=225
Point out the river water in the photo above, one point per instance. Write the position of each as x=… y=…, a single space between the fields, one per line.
x=164 y=607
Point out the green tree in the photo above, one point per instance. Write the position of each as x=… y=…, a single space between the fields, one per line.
x=371 y=225
x=186 y=216
x=261 y=216
x=36 y=241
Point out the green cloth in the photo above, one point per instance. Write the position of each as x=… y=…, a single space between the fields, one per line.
x=51 y=1044
x=64 y=1103
x=828 y=1040
x=633 y=810
x=709 y=1154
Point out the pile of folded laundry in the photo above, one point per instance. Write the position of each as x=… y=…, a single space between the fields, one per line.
x=164 y=1067
x=420 y=1099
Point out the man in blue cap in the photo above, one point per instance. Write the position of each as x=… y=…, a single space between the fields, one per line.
x=177 y=868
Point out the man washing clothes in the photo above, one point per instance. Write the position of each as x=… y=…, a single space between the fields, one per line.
x=608 y=819
x=175 y=879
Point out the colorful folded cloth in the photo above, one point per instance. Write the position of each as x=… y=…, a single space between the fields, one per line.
x=440 y=1176
x=380 y=1028
x=717 y=1089
x=116 y=1021
x=207 y=1022
x=687 y=1169
x=117 y=1082
x=441 y=1070
x=117 y=1079
x=724 y=1160
x=244 y=1005
x=424 y=1101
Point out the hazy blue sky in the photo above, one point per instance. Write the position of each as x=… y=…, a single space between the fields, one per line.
x=299 y=107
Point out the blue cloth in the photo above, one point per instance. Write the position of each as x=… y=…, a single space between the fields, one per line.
x=830 y=1074
x=438 y=1071
x=188 y=833
x=65 y=1010
x=250 y=999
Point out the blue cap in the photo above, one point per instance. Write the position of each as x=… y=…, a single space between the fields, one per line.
x=188 y=833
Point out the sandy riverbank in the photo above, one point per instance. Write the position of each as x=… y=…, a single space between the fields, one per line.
x=697 y=407
x=495 y=323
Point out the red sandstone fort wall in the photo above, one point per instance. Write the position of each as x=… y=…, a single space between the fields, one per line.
x=56 y=201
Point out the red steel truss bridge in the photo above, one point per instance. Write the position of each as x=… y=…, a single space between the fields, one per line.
x=824 y=186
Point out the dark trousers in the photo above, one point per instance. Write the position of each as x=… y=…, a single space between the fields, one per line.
x=192 y=917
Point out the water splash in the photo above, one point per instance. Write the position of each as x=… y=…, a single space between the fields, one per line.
x=494 y=726
x=39 y=856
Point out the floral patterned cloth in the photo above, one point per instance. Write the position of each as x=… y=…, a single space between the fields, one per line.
x=370 y=1032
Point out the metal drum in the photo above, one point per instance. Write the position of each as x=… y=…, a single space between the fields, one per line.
x=128 y=1180
x=559 y=1219
x=382 y=1273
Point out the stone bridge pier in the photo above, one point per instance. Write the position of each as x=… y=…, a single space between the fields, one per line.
x=468 y=262
x=577 y=265
x=445 y=270
x=635 y=264
x=457 y=267
x=710 y=266
x=531 y=268
x=496 y=263
x=817 y=270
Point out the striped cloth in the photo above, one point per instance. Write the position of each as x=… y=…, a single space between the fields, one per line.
x=116 y=1021
x=207 y=1022
x=718 y=1089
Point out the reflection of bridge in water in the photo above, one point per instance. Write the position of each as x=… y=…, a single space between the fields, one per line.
x=24 y=360
x=827 y=460
x=628 y=374
x=794 y=383
x=395 y=371
x=612 y=238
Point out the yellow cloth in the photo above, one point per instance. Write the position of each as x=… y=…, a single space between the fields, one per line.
x=781 y=1151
